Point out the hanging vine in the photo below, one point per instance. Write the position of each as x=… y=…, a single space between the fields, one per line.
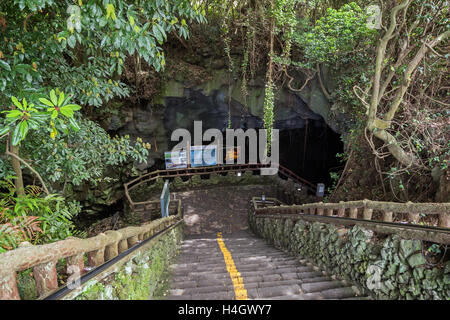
x=244 y=65
x=227 y=49
x=269 y=92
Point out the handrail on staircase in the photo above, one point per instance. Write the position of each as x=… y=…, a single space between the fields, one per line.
x=208 y=170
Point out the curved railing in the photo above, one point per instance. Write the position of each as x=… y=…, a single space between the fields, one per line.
x=364 y=210
x=148 y=177
x=98 y=249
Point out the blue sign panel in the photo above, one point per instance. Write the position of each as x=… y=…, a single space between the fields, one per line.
x=203 y=156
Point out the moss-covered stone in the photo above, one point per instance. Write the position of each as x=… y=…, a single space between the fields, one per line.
x=391 y=268
x=26 y=285
x=141 y=278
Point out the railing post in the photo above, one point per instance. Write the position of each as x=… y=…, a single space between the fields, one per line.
x=312 y=210
x=387 y=216
x=320 y=211
x=444 y=220
x=132 y=241
x=414 y=217
x=46 y=277
x=8 y=287
x=123 y=245
x=353 y=213
x=329 y=212
x=367 y=214
x=341 y=210
x=112 y=249
x=76 y=261
x=96 y=257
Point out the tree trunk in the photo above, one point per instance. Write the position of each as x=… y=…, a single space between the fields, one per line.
x=16 y=166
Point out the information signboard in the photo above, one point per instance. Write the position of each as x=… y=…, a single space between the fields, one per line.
x=202 y=156
x=176 y=159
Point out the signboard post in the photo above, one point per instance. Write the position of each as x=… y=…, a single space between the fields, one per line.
x=165 y=200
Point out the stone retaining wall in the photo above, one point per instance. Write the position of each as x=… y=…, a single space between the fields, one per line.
x=143 y=277
x=387 y=268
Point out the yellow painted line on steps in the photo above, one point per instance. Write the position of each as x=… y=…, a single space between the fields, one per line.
x=238 y=283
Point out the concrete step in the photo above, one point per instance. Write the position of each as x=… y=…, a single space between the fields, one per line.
x=267 y=273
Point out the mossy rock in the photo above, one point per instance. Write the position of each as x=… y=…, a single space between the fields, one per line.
x=214 y=179
x=178 y=183
x=26 y=285
x=195 y=181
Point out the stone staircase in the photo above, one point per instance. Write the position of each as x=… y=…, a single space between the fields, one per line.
x=266 y=272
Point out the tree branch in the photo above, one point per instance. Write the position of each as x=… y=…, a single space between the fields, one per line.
x=29 y=167
x=324 y=90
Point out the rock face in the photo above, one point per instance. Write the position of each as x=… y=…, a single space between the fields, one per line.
x=181 y=103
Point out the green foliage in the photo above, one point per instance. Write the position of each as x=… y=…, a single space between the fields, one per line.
x=81 y=46
x=338 y=35
x=269 y=100
x=27 y=116
x=66 y=158
x=34 y=218
x=434 y=249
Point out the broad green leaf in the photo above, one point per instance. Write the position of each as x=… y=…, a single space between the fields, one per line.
x=4 y=130
x=24 y=103
x=33 y=124
x=5 y=65
x=46 y=102
x=157 y=34
x=74 y=124
x=53 y=97
x=14 y=114
x=102 y=22
x=67 y=111
x=16 y=136
x=66 y=100
x=23 y=129
x=54 y=114
x=61 y=99
x=73 y=107
x=72 y=41
x=163 y=32
x=16 y=103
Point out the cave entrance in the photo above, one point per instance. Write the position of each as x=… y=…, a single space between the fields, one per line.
x=308 y=146
x=311 y=151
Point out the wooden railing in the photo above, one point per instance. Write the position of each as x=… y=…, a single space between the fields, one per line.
x=365 y=209
x=99 y=249
x=148 y=177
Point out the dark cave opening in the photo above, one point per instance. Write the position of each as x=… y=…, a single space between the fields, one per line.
x=307 y=145
x=311 y=151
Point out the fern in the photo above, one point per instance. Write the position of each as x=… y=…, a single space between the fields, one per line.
x=34 y=218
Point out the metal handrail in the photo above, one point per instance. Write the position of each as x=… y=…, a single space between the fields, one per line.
x=208 y=170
